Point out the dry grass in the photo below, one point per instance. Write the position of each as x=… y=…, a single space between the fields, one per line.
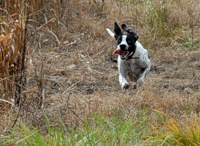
x=13 y=49
x=73 y=78
x=173 y=132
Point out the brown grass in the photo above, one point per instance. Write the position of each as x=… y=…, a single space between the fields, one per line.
x=71 y=76
x=13 y=48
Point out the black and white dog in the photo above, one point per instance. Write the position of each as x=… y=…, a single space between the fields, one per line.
x=133 y=61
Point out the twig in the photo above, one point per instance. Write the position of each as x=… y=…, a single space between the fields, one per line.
x=7 y=101
x=70 y=87
x=43 y=97
x=45 y=24
x=76 y=115
x=54 y=36
x=70 y=44
x=52 y=20
x=73 y=111
x=26 y=137
x=20 y=105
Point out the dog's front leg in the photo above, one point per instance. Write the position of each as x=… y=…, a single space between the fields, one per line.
x=122 y=69
x=123 y=82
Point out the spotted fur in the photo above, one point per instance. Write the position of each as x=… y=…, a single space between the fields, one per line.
x=133 y=60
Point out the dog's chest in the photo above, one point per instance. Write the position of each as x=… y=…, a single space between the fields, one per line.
x=133 y=66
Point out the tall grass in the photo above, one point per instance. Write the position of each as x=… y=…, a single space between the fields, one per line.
x=13 y=49
x=175 y=132
x=100 y=130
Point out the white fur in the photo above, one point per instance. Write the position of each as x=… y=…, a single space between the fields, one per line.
x=110 y=33
x=133 y=66
x=123 y=42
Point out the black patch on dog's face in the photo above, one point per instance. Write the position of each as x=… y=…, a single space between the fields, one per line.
x=119 y=39
x=132 y=37
x=130 y=40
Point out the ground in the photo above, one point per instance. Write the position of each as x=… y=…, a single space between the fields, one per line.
x=70 y=75
x=79 y=83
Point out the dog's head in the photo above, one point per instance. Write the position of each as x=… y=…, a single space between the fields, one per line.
x=125 y=41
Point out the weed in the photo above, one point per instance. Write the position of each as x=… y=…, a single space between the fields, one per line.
x=173 y=132
x=100 y=130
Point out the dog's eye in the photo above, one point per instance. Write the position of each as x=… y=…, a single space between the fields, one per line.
x=129 y=41
x=119 y=40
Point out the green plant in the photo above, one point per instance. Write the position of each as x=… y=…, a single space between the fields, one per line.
x=100 y=130
x=173 y=132
x=157 y=15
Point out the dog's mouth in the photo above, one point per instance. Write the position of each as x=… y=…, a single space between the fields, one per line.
x=123 y=54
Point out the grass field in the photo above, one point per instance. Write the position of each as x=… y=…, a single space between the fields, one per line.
x=72 y=95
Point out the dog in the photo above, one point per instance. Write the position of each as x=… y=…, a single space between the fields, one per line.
x=133 y=61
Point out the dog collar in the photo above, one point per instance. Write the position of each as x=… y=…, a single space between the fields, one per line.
x=131 y=57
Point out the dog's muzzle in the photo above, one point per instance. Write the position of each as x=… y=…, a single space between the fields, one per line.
x=125 y=55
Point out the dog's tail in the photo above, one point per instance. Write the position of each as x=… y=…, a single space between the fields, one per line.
x=110 y=33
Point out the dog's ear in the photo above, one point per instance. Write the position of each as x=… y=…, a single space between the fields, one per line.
x=130 y=31
x=117 y=30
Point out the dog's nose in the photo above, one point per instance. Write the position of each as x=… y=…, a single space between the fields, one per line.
x=122 y=47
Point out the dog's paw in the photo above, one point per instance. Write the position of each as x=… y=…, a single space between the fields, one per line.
x=125 y=86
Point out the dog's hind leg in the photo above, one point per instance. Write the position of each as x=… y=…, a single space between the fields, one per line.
x=140 y=80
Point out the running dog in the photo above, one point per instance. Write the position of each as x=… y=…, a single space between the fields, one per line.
x=133 y=60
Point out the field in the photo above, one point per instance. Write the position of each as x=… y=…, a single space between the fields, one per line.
x=71 y=81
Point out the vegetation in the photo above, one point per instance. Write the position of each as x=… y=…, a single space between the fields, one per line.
x=102 y=131
x=111 y=131
x=59 y=87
